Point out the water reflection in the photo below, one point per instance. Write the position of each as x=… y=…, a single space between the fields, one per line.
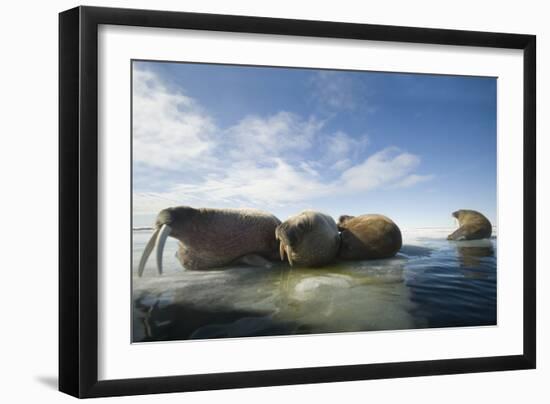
x=456 y=285
x=471 y=254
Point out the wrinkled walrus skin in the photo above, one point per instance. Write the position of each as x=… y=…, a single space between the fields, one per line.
x=368 y=237
x=210 y=238
x=473 y=226
x=308 y=239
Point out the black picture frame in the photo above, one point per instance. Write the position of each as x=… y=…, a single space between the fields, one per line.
x=78 y=200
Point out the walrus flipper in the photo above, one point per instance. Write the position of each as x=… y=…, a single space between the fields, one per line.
x=255 y=260
x=466 y=232
x=459 y=234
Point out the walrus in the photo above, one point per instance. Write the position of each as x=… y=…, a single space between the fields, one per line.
x=308 y=239
x=473 y=226
x=210 y=238
x=368 y=237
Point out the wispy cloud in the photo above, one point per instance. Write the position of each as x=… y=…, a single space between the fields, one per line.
x=334 y=89
x=278 y=135
x=261 y=161
x=385 y=167
x=168 y=126
x=341 y=149
x=413 y=179
x=339 y=91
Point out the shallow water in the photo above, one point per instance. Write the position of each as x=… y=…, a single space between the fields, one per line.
x=432 y=282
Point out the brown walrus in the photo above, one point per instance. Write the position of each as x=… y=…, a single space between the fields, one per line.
x=368 y=237
x=473 y=226
x=308 y=239
x=210 y=238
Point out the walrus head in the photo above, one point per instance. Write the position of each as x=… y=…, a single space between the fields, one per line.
x=456 y=214
x=461 y=213
x=468 y=214
x=169 y=222
x=342 y=220
x=288 y=233
x=308 y=239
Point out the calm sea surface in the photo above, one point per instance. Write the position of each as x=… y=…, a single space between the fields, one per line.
x=432 y=282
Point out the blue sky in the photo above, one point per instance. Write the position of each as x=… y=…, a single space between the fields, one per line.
x=413 y=147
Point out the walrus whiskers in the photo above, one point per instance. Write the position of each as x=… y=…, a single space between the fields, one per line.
x=161 y=240
x=147 y=252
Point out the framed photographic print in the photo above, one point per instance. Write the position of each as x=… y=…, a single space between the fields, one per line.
x=250 y=201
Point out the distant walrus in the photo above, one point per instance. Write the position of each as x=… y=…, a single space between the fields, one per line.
x=308 y=239
x=210 y=238
x=473 y=226
x=368 y=237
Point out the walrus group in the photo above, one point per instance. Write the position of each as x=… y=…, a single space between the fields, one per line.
x=211 y=238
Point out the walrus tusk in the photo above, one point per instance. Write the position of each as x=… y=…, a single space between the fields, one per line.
x=282 y=250
x=147 y=252
x=289 y=254
x=161 y=240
